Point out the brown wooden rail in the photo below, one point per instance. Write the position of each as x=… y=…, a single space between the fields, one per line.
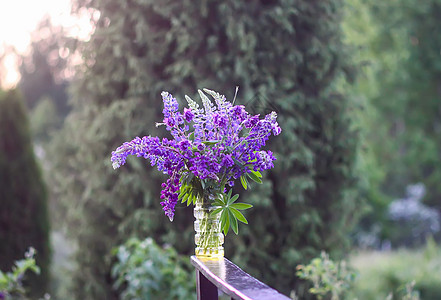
x=222 y=274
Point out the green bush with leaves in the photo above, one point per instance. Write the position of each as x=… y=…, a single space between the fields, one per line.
x=11 y=283
x=144 y=270
x=337 y=281
x=327 y=277
x=24 y=220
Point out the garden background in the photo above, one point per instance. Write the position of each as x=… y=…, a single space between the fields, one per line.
x=356 y=85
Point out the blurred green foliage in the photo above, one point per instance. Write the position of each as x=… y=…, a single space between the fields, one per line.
x=381 y=273
x=336 y=280
x=44 y=120
x=11 y=283
x=284 y=55
x=397 y=45
x=329 y=279
x=144 y=270
x=24 y=220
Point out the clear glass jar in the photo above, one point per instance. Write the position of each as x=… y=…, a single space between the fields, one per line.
x=208 y=238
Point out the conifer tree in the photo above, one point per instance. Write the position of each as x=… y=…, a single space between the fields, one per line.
x=24 y=219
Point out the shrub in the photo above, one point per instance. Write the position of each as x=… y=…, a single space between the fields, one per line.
x=24 y=220
x=329 y=279
x=11 y=285
x=144 y=270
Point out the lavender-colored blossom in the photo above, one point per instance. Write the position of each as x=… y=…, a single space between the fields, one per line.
x=169 y=196
x=188 y=115
x=171 y=106
x=226 y=143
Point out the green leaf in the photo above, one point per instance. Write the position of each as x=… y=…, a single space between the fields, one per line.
x=218 y=202
x=229 y=193
x=238 y=163
x=225 y=222
x=233 y=222
x=232 y=199
x=185 y=198
x=222 y=218
x=210 y=143
x=254 y=177
x=257 y=173
x=241 y=206
x=184 y=189
x=238 y=215
x=216 y=211
x=191 y=136
x=244 y=181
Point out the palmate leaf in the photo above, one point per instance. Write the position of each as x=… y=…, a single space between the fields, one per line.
x=230 y=214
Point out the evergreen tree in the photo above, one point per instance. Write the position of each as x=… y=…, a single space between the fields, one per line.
x=24 y=219
x=286 y=55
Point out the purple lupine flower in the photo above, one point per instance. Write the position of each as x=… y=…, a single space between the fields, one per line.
x=170 y=104
x=169 y=196
x=201 y=147
x=276 y=129
x=227 y=161
x=239 y=112
x=188 y=115
x=184 y=145
x=169 y=122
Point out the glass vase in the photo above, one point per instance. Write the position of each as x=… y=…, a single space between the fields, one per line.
x=208 y=238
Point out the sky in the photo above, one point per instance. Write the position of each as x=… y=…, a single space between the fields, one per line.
x=18 y=18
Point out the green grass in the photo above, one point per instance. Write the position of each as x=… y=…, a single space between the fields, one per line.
x=381 y=273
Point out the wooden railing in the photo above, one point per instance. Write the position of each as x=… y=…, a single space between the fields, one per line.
x=222 y=274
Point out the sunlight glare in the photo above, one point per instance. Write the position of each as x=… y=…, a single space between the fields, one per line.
x=19 y=18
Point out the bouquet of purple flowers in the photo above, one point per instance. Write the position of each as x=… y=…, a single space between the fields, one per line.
x=212 y=146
